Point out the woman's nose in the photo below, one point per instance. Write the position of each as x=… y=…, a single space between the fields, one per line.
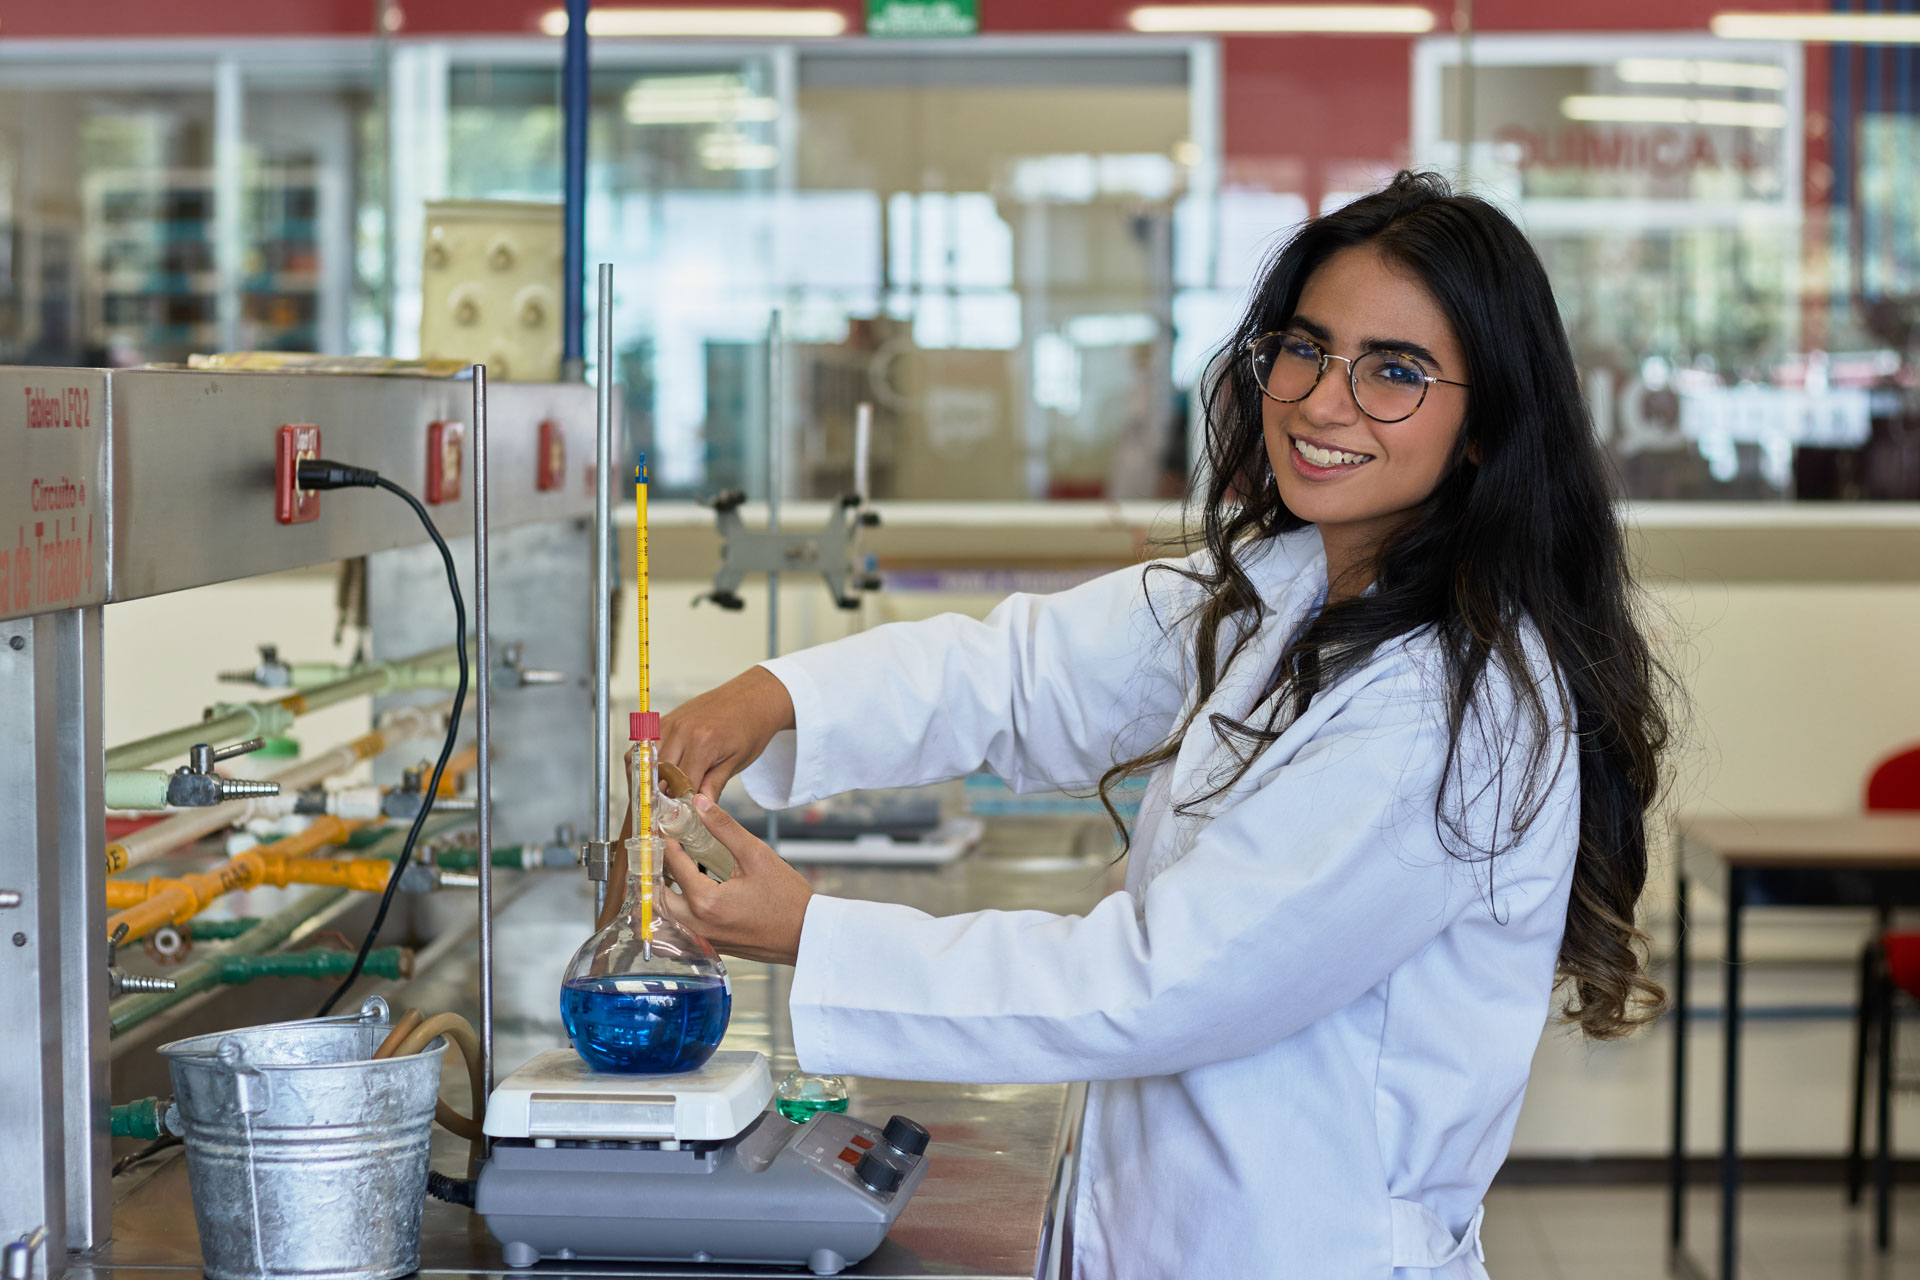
x=1331 y=401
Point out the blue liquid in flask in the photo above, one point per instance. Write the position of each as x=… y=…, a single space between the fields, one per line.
x=637 y=1025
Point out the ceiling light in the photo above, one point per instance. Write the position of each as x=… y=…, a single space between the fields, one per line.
x=736 y=151
x=1355 y=19
x=1729 y=75
x=1820 y=28
x=704 y=21
x=1619 y=109
x=696 y=100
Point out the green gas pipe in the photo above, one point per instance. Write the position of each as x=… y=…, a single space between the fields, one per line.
x=382 y=962
x=220 y=930
x=139 y=1119
x=203 y=974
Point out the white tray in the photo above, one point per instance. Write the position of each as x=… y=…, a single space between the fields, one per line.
x=950 y=840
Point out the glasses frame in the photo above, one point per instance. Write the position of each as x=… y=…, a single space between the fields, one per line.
x=1353 y=382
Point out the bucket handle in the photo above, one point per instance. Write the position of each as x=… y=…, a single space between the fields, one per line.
x=248 y=1082
x=373 y=1012
x=252 y=1091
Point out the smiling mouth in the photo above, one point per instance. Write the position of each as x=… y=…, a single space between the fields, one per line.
x=1328 y=457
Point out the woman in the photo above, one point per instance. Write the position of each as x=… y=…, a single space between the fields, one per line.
x=1400 y=731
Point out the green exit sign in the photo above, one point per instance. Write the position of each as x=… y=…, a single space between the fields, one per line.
x=923 y=17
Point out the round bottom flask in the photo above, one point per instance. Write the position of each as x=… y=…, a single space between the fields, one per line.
x=635 y=1005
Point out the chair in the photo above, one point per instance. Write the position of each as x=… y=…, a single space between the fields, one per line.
x=1894 y=783
x=1896 y=968
x=1889 y=962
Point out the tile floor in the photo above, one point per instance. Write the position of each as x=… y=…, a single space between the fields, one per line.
x=1619 y=1233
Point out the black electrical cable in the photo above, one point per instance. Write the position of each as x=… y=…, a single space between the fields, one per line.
x=321 y=474
x=452 y=1190
x=153 y=1148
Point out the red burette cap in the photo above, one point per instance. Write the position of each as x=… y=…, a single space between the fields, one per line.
x=643 y=726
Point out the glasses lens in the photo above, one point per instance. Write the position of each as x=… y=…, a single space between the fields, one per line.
x=1389 y=387
x=1286 y=366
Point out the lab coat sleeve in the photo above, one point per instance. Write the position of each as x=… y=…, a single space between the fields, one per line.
x=1291 y=904
x=1047 y=692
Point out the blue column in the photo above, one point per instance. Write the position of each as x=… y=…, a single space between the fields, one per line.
x=575 y=102
x=1840 y=158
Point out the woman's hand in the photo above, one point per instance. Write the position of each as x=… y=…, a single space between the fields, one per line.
x=716 y=735
x=758 y=912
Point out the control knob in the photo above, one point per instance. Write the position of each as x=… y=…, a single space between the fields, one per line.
x=879 y=1175
x=905 y=1136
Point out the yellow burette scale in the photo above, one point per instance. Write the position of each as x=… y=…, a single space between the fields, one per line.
x=645 y=726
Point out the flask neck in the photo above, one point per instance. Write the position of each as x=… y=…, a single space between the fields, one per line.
x=637 y=886
x=642 y=885
x=626 y=938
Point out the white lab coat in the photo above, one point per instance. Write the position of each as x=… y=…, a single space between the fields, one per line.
x=1307 y=1027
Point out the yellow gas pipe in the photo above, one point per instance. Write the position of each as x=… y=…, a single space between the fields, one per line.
x=167 y=901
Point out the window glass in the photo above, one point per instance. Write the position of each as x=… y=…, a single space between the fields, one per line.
x=131 y=232
x=108 y=235
x=1732 y=255
x=1023 y=341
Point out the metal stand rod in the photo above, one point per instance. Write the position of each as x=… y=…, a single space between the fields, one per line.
x=862 y=451
x=775 y=474
x=1730 y=1095
x=482 y=718
x=1677 y=1157
x=603 y=575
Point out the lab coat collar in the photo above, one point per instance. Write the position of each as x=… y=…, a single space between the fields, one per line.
x=1290 y=573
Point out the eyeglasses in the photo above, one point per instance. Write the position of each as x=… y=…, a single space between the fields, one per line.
x=1388 y=386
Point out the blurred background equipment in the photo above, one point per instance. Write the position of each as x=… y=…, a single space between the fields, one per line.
x=490 y=287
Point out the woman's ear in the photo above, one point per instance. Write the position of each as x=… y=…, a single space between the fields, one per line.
x=1473 y=451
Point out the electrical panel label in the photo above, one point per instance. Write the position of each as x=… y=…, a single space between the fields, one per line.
x=53 y=510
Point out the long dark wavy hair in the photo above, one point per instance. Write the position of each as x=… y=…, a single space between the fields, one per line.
x=1520 y=530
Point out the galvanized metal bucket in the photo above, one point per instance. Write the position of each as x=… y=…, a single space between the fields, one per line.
x=307 y=1158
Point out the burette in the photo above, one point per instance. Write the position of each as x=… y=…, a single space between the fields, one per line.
x=646 y=724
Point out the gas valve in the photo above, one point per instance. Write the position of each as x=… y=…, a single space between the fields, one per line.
x=196 y=785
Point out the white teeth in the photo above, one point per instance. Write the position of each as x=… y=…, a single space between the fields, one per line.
x=1329 y=457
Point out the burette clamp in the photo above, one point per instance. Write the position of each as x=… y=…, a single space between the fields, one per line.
x=597 y=857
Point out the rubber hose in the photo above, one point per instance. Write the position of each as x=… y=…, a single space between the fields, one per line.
x=461 y=1035
x=408 y=1021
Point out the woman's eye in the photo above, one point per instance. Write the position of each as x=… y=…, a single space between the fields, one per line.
x=1401 y=373
x=1299 y=349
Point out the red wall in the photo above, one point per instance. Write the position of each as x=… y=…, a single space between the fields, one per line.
x=111 y=18
x=1298 y=111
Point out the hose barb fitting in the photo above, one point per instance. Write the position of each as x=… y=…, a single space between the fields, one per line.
x=120 y=982
x=196 y=785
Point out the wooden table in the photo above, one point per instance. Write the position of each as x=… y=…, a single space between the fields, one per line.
x=1870 y=860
